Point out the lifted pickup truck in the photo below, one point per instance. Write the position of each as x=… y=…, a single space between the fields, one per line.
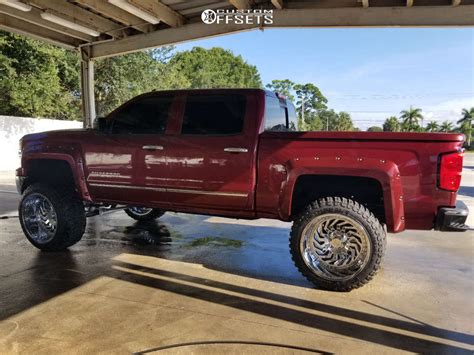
x=236 y=153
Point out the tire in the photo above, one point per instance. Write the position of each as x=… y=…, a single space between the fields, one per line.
x=345 y=250
x=147 y=214
x=52 y=219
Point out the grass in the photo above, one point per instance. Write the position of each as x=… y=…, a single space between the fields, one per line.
x=216 y=241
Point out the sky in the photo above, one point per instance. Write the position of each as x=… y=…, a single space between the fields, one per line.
x=372 y=73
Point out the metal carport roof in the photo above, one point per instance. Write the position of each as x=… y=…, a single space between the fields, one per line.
x=101 y=28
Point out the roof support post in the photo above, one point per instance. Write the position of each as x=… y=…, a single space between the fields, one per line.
x=87 y=88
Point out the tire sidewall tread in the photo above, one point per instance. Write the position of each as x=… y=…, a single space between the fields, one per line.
x=69 y=211
x=152 y=215
x=351 y=209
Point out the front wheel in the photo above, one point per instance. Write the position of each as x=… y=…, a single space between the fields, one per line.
x=337 y=244
x=52 y=219
x=144 y=213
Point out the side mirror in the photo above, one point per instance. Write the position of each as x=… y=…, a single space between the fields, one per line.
x=100 y=124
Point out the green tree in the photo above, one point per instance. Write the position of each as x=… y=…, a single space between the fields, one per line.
x=328 y=119
x=446 y=126
x=466 y=124
x=432 y=126
x=343 y=122
x=375 y=129
x=284 y=87
x=410 y=119
x=309 y=104
x=37 y=79
x=215 y=68
x=312 y=122
x=121 y=78
x=392 y=124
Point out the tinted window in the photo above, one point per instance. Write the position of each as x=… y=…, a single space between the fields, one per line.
x=292 y=118
x=148 y=115
x=214 y=114
x=275 y=115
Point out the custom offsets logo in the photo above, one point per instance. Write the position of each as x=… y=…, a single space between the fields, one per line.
x=237 y=17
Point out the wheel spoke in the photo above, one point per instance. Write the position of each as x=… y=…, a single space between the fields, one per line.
x=39 y=218
x=335 y=247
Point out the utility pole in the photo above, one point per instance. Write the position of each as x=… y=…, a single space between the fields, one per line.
x=303 y=124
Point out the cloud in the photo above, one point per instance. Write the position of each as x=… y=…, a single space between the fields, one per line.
x=447 y=110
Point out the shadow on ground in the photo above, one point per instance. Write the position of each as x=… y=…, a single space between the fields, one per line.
x=263 y=256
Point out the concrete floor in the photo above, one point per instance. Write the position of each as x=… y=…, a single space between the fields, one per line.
x=161 y=287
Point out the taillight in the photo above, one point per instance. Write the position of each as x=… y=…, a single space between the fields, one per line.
x=450 y=168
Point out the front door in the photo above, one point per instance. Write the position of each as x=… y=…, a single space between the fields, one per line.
x=119 y=163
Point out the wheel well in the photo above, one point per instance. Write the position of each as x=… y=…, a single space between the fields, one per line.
x=366 y=191
x=51 y=171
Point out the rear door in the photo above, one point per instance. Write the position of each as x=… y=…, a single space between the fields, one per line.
x=211 y=159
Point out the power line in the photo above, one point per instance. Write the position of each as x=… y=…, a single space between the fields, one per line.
x=385 y=96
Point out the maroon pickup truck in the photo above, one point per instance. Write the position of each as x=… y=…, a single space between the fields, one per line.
x=237 y=153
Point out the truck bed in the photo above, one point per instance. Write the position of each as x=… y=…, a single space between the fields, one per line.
x=405 y=165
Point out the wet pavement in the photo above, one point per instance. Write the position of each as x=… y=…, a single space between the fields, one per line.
x=189 y=283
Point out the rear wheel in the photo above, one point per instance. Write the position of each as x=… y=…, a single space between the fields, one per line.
x=337 y=244
x=51 y=219
x=144 y=213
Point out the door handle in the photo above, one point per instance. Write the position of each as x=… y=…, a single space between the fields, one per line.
x=153 y=147
x=235 y=150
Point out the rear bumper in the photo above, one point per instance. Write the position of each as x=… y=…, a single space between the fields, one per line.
x=452 y=218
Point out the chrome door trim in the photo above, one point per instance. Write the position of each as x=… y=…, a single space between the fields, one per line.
x=183 y=191
x=235 y=150
x=152 y=147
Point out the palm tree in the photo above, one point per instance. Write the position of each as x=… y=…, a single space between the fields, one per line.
x=432 y=126
x=410 y=118
x=446 y=126
x=466 y=123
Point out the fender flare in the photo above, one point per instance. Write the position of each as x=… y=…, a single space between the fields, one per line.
x=75 y=163
x=386 y=172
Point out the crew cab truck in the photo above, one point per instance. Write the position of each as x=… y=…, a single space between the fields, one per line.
x=237 y=153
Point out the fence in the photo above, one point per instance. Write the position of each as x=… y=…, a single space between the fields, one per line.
x=13 y=128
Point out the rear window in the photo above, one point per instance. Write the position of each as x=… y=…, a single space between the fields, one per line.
x=214 y=114
x=292 y=117
x=275 y=115
x=148 y=115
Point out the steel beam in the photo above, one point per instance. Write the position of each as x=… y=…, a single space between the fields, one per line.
x=25 y=28
x=34 y=16
x=81 y=16
x=108 y=10
x=87 y=88
x=240 y=4
x=161 y=11
x=416 y=16
x=278 y=4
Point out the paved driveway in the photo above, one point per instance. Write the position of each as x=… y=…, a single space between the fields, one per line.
x=207 y=284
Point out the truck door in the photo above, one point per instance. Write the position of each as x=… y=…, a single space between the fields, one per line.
x=124 y=162
x=211 y=161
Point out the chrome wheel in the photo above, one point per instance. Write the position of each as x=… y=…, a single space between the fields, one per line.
x=140 y=211
x=39 y=218
x=335 y=247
